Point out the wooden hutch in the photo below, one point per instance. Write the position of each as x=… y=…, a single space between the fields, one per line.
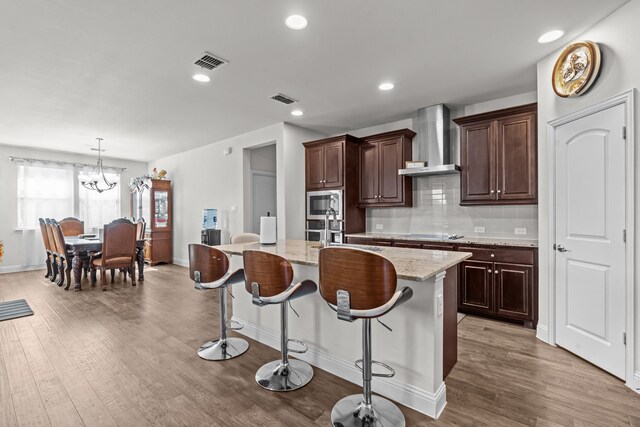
x=156 y=211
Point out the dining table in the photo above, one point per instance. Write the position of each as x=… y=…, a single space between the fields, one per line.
x=81 y=247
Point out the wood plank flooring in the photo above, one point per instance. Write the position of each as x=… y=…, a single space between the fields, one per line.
x=126 y=357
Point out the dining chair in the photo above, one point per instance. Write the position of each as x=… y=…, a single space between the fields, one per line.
x=64 y=258
x=47 y=246
x=71 y=226
x=141 y=228
x=54 y=250
x=245 y=238
x=118 y=251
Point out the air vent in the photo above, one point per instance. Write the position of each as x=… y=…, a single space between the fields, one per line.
x=283 y=98
x=210 y=61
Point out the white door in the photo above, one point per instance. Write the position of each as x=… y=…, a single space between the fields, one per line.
x=264 y=197
x=590 y=222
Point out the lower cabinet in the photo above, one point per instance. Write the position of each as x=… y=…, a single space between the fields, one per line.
x=476 y=287
x=490 y=285
x=499 y=282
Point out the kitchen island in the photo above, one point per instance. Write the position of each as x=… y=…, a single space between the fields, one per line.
x=414 y=348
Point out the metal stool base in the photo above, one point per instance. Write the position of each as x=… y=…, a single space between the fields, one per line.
x=276 y=377
x=352 y=412
x=223 y=350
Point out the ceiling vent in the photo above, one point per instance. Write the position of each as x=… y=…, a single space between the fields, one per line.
x=283 y=98
x=210 y=62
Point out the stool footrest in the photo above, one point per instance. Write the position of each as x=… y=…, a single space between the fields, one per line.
x=303 y=347
x=234 y=325
x=390 y=374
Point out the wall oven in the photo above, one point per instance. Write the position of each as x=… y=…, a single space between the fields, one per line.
x=315 y=231
x=318 y=202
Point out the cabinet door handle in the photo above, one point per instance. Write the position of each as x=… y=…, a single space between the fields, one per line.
x=490 y=271
x=493 y=255
x=496 y=271
x=492 y=191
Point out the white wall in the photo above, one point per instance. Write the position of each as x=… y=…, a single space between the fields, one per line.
x=205 y=178
x=618 y=37
x=17 y=243
x=263 y=158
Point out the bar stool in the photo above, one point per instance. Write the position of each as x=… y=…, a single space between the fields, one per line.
x=359 y=284
x=268 y=279
x=210 y=265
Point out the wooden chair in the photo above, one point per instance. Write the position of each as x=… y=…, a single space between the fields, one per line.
x=71 y=226
x=359 y=284
x=64 y=258
x=209 y=269
x=47 y=247
x=245 y=238
x=118 y=251
x=269 y=278
x=54 y=250
x=141 y=228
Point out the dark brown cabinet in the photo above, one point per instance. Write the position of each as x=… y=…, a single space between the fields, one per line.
x=499 y=282
x=325 y=163
x=380 y=158
x=154 y=205
x=476 y=289
x=498 y=156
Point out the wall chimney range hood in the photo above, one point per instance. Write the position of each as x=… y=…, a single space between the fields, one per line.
x=432 y=143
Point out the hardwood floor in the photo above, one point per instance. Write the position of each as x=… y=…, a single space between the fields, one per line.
x=127 y=357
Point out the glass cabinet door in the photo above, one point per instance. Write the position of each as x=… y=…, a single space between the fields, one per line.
x=161 y=200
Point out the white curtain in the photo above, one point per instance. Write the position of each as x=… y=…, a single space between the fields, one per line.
x=97 y=209
x=44 y=191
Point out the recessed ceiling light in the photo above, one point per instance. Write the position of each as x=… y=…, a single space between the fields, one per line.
x=297 y=113
x=202 y=78
x=386 y=86
x=551 y=36
x=296 y=22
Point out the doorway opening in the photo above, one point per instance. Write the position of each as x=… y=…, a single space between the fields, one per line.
x=260 y=186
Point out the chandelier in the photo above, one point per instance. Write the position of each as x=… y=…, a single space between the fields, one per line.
x=99 y=181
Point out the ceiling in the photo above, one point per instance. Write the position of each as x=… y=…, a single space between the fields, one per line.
x=73 y=70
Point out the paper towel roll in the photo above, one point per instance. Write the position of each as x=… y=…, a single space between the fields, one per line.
x=268 y=230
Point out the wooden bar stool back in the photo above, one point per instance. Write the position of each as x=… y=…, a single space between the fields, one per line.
x=47 y=246
x=360 y=284
x=269 y=278
x=209 y=269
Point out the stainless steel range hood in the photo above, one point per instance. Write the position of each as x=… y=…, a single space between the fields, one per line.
x=433 y=143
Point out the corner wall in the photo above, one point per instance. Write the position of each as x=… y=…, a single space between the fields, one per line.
x=206 y=178
x=618 y=36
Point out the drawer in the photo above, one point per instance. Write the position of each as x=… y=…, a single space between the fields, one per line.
x=438 y=246
x=367 y=241
x=407 y=244
x=513 y=256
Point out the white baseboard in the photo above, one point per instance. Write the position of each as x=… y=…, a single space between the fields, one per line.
x=542 y=333
x=422 y=401
x=20 y=268
x=636 y=380
x=181 y=262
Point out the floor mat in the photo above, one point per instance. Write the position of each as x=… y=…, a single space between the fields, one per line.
x=14 y=309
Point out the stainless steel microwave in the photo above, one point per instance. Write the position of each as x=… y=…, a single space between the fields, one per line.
x=318 y=202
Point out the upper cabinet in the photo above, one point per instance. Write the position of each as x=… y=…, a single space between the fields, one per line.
x=380 y=158
x=498 y=156
x=324 y=162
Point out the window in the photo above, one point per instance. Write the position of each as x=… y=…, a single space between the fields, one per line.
x=97 y=209
x=44 y=191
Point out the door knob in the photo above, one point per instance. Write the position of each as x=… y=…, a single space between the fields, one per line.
x=561 y=248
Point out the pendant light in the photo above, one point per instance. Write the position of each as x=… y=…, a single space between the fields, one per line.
x=99 y=182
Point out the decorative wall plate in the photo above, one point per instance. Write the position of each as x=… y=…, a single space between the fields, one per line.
x=576 y=69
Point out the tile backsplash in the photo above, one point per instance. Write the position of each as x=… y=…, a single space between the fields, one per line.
x=436 y=209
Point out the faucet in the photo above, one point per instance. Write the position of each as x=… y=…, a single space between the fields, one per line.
x=327 y=234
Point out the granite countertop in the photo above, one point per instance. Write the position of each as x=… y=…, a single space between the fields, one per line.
x=496 y=241
x=411 y=264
